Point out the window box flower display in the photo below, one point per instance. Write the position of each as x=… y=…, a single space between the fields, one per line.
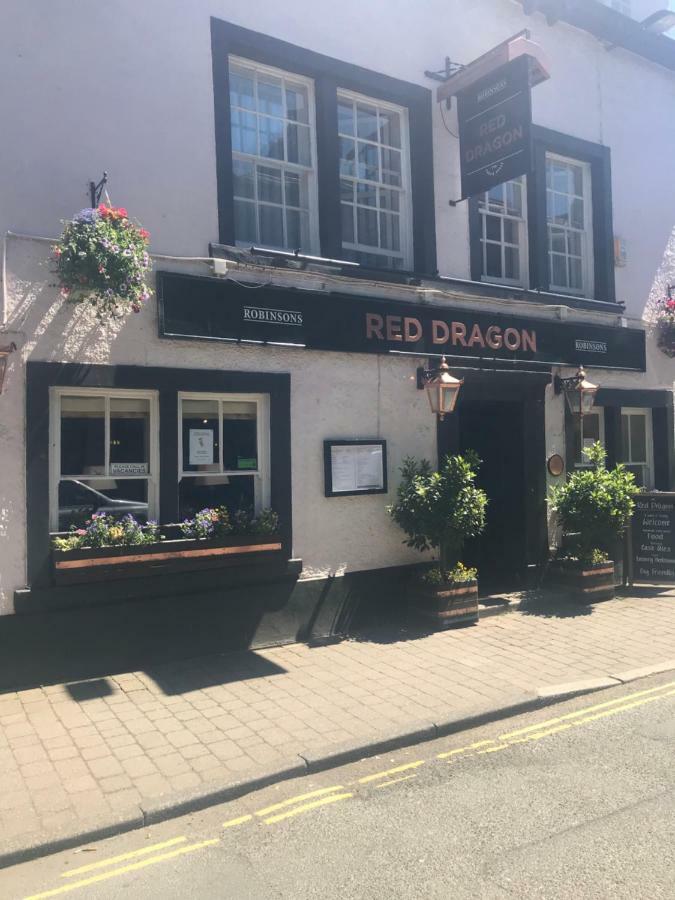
x=440 y=510
x=102 y=259
x=123 y=548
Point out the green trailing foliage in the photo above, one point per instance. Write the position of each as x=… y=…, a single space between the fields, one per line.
x=595 y=505
x=440 y=510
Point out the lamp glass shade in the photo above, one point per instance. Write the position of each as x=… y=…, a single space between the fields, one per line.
x=581 y=397
x=442 y=390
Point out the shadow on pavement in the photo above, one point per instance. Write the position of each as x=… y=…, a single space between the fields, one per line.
x=551 y=604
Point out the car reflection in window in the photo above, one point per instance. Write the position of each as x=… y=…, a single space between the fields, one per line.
x=79 y=501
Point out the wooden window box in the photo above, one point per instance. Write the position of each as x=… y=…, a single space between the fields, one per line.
x=164 y=557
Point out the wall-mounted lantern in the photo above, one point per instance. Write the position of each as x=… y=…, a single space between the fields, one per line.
x=579 y=391
x=4 y=353
x=442 y=388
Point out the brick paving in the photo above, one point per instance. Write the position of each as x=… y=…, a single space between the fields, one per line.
x=73 y=752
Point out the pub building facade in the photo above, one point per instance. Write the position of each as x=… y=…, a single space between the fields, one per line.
x=320 y=238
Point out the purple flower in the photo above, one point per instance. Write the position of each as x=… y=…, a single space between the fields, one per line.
x=88 y=216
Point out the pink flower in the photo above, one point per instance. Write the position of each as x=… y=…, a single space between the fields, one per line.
x=65 y=292
x=135 y=307
x=80 y=531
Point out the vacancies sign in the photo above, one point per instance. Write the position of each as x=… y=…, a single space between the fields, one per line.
x=495 y=119
x=216 y=309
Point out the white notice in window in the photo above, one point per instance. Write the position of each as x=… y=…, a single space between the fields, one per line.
x=357 y=467
x=201 y=447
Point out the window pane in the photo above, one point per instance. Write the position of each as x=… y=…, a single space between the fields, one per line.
x=82 y=435
x=200 y=436
x=346 y=190
x=367 y=226
x=244 y=222
x=366 y=194
x=240 y=448
x=271 y=137
x=577 y=214
x=292 y=187
x=389 y=199
x=391 y=167
x=347 y=223
x=495 y=197
x=389 y=231
x=591 y=427
x=514 y=198
x=390 y=128
x=577 y=185
x=558 y=208
x=493 y=228
x=242 y=91
x=345 y=117
x=366 y=122
x=271 y=226
x=575 y=278
x=270 y=99
x=510 y=231
x=558 y=270
x=638 y=439
x=625 y=443
x=368 y=162
x=79 y=500
x=557 y=242
x=233 y=491
x=574 y=243
x=347 y=157
x=243 y=174
x=244 y=138
x=511 y=263
x=297 y=229
x=297 y=142
x=129 y=436
x=297 y=106
x=493 y=260
x=269 y=184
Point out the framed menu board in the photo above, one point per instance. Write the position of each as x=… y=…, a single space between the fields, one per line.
x=653 y=538
x=355 y=467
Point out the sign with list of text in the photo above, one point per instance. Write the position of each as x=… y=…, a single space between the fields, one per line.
x=653 y=538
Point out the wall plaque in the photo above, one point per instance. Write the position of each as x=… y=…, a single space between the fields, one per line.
x=355 y=467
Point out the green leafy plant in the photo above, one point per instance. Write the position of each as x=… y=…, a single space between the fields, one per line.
x=440 y=509
x=107 y=531
x=102 y=259
x=595 y=505
x=459 y=574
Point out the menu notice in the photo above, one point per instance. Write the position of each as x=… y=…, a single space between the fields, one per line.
x=355 y=467
x=653 y=534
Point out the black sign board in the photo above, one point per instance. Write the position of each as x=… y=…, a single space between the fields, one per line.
x=653 y=538
x=218 y=309
x=495 y=119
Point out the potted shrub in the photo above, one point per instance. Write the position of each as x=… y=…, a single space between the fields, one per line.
x=122 y=548
x=439 y=511
x=594 y=507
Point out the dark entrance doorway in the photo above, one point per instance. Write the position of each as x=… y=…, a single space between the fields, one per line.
x=501 y=417
x=495 y=432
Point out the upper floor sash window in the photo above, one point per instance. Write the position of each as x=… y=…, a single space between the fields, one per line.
x=273 y=158
x=503 y=233
x=569 y=225
x=374 y=182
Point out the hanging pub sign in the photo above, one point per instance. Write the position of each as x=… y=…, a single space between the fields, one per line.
x=495 y=122
x=217 y=309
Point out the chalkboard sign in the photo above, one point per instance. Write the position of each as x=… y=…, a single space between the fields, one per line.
x=653 y=538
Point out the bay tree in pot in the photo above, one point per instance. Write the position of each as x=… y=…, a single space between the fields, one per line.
x=594 y=506
x=439 y=510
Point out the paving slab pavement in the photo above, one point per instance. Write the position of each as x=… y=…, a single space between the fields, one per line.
x=113 y=753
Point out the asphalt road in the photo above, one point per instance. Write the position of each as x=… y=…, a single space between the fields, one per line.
x=575 y=801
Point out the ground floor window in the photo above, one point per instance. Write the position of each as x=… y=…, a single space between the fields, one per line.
x=104 y=455
x=586 y=432
x=223 y=446
x=636 y=445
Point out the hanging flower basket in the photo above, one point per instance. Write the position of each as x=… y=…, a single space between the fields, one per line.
x=666 y=337
x=665 y=323
x=102 y=260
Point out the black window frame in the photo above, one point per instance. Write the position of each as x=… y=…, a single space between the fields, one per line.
x=329 y=76
x=598 y=156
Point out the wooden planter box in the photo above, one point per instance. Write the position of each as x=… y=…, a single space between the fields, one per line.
x=447 y=605
x=585 y=582
x=164 y=557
